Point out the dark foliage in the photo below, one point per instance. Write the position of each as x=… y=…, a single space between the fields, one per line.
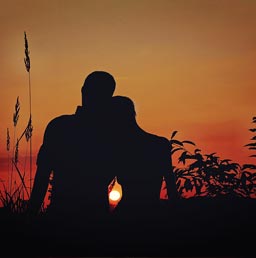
x=209 y=175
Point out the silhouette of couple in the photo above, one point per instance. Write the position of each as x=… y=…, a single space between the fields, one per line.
x=86 y=150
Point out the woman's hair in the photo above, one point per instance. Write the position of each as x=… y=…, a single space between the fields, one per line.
x=123 y=109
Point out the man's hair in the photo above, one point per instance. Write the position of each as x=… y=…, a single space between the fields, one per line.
x=98 y=84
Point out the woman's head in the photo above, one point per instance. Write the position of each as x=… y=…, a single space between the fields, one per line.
x=123 y=110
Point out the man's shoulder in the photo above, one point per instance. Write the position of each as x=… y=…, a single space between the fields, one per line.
x=60 y=121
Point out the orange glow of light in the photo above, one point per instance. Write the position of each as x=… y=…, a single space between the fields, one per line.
x=114 y=195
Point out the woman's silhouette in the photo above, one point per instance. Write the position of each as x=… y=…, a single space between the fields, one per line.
x=142 y=160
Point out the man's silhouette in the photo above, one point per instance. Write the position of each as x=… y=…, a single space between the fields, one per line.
x=77 y=150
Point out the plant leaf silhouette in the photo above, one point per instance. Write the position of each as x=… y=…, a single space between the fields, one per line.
x=251 y=144
x=183 y=157
x=250 y=166
x=225 y=161
x=189 y=142
x=188 y=185
x=176 y=142
x=173 y=134
x=177 y=149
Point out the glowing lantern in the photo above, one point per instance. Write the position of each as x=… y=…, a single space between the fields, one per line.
x=114 y=193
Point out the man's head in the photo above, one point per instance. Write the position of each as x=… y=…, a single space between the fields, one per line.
x=98 y=88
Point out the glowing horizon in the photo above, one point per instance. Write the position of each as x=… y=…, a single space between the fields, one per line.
x=188 y=66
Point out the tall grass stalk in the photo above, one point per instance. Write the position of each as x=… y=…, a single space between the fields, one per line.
x=27 y=65
x=15 y=122
x=8 y=139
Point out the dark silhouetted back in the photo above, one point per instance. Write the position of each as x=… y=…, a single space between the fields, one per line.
x=142 y=161
x=77 y=149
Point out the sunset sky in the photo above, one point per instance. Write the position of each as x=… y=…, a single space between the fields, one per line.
x=188 y=65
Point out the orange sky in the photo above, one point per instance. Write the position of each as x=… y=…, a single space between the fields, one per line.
x=188 y=65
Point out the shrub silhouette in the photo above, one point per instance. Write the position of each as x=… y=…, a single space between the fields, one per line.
x=209 y=175
x=248 y=178
x=252 y=146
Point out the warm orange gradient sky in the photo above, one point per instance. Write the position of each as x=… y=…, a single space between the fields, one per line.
x=188 y=65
